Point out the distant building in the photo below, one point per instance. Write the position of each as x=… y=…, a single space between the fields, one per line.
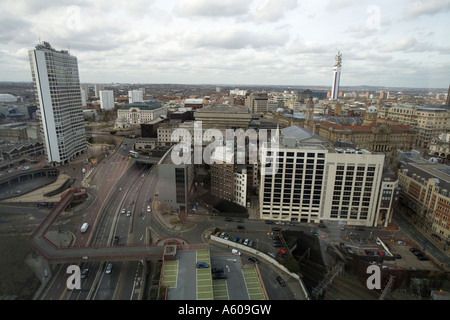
x=373 y=135
x=140 y=112
x=58 y=92
x=430 y=120
x=224 y=117
x=135 y=96
x=194 y=104
x=257 y=102
x=97 y=88
x=336 y=77
x=106 y=99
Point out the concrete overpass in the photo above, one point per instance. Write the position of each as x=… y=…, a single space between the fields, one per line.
x=57 y=254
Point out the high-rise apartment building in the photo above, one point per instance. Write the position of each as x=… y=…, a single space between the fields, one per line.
x=58 y=93
x=107 y=99
x=336 y=77
x=135 y=96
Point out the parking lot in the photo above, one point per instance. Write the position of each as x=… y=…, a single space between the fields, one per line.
x=186 y=281
x=404 y=258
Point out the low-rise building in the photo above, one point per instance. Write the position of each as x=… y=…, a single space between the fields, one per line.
x=425 y=197
x=141 y=112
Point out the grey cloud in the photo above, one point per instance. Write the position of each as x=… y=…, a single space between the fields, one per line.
x=273 y=10
x=212 y=8
x=234 y=38
x=430 y=7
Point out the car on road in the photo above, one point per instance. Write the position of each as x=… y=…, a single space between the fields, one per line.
x=378 y=242
x=128 y=213
x=281 y=281
x=202 y=265
x=109 y=267
x=116 y=239
x=84 y=273
x=401 y=243
x=253 y=259
x=276 y=229
x=228 y=219
x=269 y=222
x=123 y=210
x=149 y=209
x=238 y=220
x=415 y=251
x=241 y=227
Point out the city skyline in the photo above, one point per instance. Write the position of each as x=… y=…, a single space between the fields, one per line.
x=254 y=42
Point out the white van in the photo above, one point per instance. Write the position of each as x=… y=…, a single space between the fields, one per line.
x=234 y=251
x=84 y=227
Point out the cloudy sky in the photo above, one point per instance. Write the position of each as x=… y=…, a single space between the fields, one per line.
x=403 y=43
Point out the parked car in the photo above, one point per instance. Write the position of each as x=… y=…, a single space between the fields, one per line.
x=378 y=242
x=235 y=239
x=422 y=257
x=202 y=265
x=401 y=243
x=246 y=242
x=116 y=239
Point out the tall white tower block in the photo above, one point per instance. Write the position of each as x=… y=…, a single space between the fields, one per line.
x=58 y=93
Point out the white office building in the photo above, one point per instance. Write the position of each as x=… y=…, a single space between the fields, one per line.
x=313 y=182
x=58 y=93
x=106 y=99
